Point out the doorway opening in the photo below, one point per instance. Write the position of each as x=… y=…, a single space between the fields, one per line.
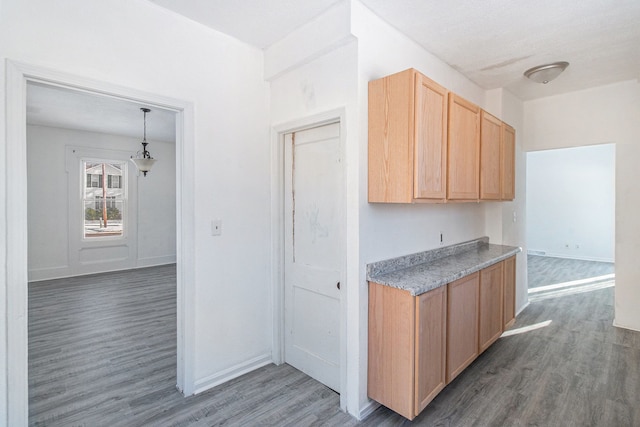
x=309 y=274
x=570 y=220
x=18 y=76
x=90 y=211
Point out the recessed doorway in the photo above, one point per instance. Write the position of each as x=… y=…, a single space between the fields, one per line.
x=570 y=220
x=18 y=76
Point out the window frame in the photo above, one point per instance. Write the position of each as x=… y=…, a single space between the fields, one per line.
x=87 y=197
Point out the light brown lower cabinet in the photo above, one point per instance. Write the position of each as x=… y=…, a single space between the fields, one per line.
x=509 y=282
x=490 y=325
x=407 y=343
x=418 y=344
x=462 y=324
x=431 y=340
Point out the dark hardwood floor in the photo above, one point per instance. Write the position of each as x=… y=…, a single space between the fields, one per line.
x=102 y=353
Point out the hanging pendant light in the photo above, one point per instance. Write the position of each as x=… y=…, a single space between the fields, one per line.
x=143 y=159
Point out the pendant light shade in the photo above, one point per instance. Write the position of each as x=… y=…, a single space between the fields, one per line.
x=545 y=73
x=143 y=159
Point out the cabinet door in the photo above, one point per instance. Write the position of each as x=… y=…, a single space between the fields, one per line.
x=508 y=169
x=490 y=152
x=430 y=140
x=491 y=301
x=391 y=369
x=391 y=130
x=462 y=324
x=431 y=346
x=509 y=282
x=463 y=149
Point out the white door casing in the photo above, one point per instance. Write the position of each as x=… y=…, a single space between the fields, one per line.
x=14 y=386
x=313 y=252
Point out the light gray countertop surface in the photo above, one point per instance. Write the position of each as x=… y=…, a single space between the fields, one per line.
x=421 y=272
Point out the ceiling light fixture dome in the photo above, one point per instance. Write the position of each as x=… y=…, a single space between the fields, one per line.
x=143 y=159
x=545 y=73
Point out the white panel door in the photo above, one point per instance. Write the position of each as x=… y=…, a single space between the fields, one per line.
x=313 y=252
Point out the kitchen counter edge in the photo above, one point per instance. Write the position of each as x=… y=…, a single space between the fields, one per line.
x=424 y=271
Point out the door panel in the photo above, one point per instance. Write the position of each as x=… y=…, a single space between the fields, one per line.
x=313 y=179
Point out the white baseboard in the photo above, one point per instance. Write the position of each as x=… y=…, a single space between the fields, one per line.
x=535 y=252
x=522 y=309
x=218 y=378
x=38 y=274
x=368 y=409
x=617 y=325
x=154 y=261
x=556 y=255
x=41 y=274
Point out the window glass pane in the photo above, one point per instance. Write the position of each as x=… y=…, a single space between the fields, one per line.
x=103 y=206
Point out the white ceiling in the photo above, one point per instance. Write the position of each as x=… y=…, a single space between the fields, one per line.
x=492 y=42
x=257 y=22
x=72 y=109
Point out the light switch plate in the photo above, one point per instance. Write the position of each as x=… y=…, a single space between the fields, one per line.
x=216 y=227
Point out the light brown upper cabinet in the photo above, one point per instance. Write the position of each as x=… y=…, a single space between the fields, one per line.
x=463 y=149
x=497 y=159
x=407 y=139
x=508 y=156
x=490 y=157
x=425 y=145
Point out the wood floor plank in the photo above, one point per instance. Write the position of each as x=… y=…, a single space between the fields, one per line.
x=102 y=352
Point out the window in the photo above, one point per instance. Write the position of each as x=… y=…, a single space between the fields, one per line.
x=103 y=205
x=111 y=202
x=94 y=181
x=114 y=181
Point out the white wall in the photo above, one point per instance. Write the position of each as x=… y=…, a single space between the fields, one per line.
x=602 y=115
x=506 y=221
x=136 y=44
x=50 y=254
x=571 y=202
x=303 y=87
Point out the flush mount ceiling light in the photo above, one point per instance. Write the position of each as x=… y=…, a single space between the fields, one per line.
x=545 y=73
x=143 y=159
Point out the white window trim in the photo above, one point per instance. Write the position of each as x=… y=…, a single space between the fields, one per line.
x=83 y=160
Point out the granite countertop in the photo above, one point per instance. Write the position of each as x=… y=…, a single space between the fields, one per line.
x=421 y=272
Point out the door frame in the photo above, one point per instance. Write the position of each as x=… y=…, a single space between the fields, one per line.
x=13 y=287
x=277 y=234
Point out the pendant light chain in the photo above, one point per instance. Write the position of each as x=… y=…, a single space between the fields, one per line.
x=144 y=161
